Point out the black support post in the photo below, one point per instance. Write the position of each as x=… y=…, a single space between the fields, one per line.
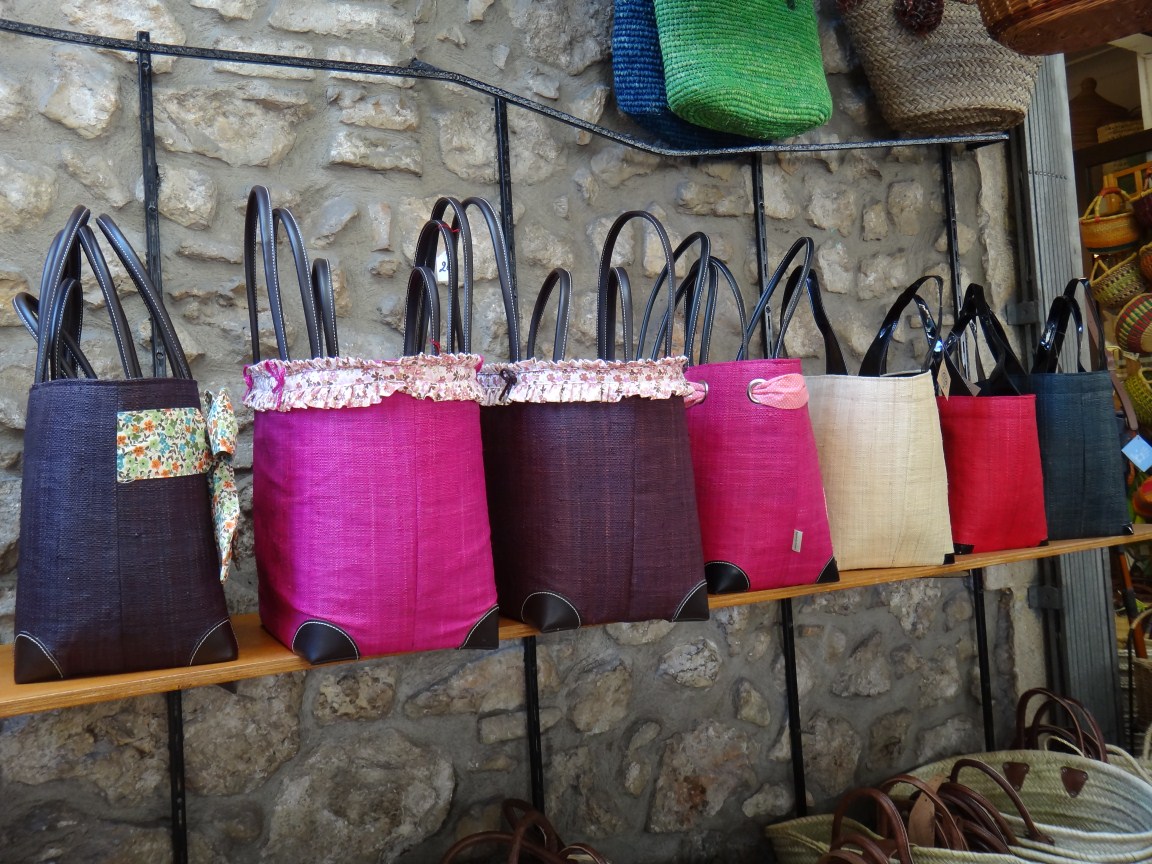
x=175 y=702
x=949 y=184
x=504 y=175
x=151 y=187
x=757 y=165
x=532 y=721
x=983 y=658
x=792 y=694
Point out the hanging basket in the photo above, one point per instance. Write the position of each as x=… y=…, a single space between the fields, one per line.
x=1140 y=390
x=1146 y=263
x=1108 y=225
x=1134 y=325
x=1114 y=286
x=1061 y=26
x=934 y=68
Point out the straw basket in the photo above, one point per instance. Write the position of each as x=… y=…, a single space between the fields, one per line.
x=1108 y=225
x=1060 y=26
x=1140 y=390
x=1142 y=684
x=951 y=79
x=1114 y=286
x=1134 y=325
x=1142 y=207
x=1146 y=263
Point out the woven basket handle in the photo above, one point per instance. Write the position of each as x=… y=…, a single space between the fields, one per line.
x=610 y=279
x=560 y=280
x=791 y=298
x=947 y=830
x=875 y=362
x=896 y=833
x=1033 y=832
x=1108 y=193
x=1089 y=736
x=976 y=811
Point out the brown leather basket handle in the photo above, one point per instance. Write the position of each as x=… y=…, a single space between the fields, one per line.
x=1033 y=832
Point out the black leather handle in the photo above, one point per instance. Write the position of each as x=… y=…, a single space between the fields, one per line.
x=610 y=279
x=325 y=299
x=560 y=280
x=28 y=310
x=258 y=230
x=1000 y=381
x=833 y=356
x=148 y=292
x=875 y=362
x=421 y=311
x=283 y=218
x=63 y=255
x=619 y=286
x=1065 y=306
x=692 y=286
x=121 y=332
x=803 y=246
x=503 y=273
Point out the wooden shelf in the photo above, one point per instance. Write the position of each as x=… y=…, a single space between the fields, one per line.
x=260 y=654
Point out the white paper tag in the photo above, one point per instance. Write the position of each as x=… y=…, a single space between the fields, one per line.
x=944 y=380
x=797 y=539
x=1139 y=452
x=442 y=268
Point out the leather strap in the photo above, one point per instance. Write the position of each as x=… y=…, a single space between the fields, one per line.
x=56 y=268
x=802 y=247
x=618 y=286
x=833 y=356
x=121 y=332
x=1032 y=831
x=49 y=358
x=875 y=362
x=610 y=279
x=892 y=827
x=717 y=270
x=28 y=310
x=948 y=833
x=325 y=298
x=421 y=312
x=149 y=293
x=1008 y=369
x=283 y=218
x=258 y=229
x=560 y=280
x=691 y=289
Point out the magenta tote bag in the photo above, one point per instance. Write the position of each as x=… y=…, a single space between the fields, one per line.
x=369 y=504
x=762 y=513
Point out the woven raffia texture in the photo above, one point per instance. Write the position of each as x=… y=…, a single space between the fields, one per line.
x=638 y=79
x=995 y=482
x=593 y=503
x=1134 y=325
x=758 y=482
x=1084 y=493
x=752 y=67
x=113 y=577
x=1146 y=263
x=373 y=520
x=1140 y=390
x=1060 y=26
x=1109 y=225
x=955 y=79
x=1108 y=821
x=1142 y=208
x=1112 y=287
x=882 y=460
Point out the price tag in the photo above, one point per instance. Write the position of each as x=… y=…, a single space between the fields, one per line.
x=442 y=268
x=1139 y=452
x=944 y=380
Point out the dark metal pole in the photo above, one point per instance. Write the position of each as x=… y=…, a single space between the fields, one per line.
x=982 y=655
x=757 y=163
x=532 y=712
x=953 y=243
x=151 y=188
x=175 y=702
x=504 y=175
x=792 y=694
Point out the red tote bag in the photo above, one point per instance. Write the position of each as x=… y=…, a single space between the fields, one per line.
x=991 y=446
x=763 y=517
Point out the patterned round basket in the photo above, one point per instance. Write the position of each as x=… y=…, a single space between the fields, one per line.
x=1140 y=390
x=935 y=69
x=1142 y=207
x=1060 y=26
x=1112 y=287
x=1146 y=262
x=1108 y=225
x=1134 y=325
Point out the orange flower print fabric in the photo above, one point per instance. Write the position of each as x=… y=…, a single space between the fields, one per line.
x=178 y=442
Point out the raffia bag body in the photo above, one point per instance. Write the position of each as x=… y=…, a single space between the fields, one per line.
x=947 y=78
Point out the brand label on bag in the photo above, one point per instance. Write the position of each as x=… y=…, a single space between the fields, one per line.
x=797 y=539
x=1139 y=453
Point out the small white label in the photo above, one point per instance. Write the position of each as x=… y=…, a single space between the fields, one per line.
x=442 y=268
x=797 y=539
x=944 y=380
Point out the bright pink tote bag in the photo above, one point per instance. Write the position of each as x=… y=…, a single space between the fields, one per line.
x=758 y=488
x=369 y=504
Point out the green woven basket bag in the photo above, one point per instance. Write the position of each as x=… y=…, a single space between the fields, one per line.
x=752 y=67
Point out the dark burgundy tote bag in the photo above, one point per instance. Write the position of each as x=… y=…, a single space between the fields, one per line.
x=121 y=558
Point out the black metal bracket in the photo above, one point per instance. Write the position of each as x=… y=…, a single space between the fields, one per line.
x=532 y=720
x=792 y=697
x=151 y=185
x=983 y=658
x=175 y=702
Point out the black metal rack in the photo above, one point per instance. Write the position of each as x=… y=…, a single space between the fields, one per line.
x=144 y=50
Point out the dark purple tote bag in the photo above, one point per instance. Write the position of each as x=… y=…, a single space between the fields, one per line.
x=120 y=563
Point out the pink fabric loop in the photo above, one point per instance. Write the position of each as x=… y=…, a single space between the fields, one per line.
x=785 y=391
x=699 y=393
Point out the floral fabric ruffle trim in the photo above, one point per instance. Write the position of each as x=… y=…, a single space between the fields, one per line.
x=350 y=382
x=550 y=382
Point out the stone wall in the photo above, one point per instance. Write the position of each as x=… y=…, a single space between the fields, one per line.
x=662 y=743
